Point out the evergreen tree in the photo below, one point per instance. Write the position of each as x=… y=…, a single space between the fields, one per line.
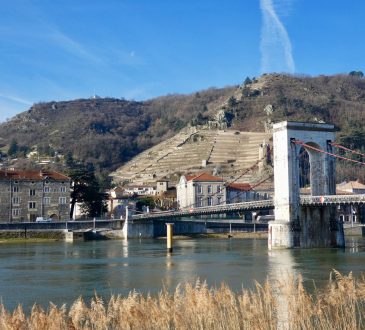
x=13 y=148
x=87 y=191
x=247 y=81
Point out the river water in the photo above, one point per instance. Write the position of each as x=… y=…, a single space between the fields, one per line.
x=61 y=272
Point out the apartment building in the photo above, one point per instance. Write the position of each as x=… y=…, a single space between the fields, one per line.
x=26 y=195
x=205 y=189
x=200 y=190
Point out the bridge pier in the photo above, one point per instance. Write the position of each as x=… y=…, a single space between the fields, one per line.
x=296 y=225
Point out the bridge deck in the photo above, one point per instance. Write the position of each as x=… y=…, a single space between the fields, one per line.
x=254 y=205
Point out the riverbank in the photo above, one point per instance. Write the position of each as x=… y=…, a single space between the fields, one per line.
x=285 y=305
x=31 y=235
x=27 y=240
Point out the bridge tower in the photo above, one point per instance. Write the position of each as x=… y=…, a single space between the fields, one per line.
x=296 y=225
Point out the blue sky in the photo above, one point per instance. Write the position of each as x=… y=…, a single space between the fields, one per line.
x=139 y=49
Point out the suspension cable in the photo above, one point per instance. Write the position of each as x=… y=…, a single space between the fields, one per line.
x=326 y=152
x=347 y=149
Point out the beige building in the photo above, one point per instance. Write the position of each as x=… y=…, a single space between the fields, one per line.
x=207 y=190
x=200 y=190
x=26 y=195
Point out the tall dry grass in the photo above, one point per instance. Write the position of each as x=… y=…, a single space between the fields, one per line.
x=341 y=305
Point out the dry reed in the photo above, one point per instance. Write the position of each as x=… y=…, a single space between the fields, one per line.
x=341 y=305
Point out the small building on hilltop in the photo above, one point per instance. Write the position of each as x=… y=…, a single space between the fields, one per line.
x=26 y=195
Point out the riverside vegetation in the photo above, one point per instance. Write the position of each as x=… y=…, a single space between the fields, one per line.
x=285 y=305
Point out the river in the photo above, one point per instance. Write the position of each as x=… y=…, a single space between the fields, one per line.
x=61 y=272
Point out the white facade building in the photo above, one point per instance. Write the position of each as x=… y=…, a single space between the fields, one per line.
x=207 y=190
x=200 y=190
x=140 y=190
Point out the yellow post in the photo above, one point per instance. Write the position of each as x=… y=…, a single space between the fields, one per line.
x=169 y=235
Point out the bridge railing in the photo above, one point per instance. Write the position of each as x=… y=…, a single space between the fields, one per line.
x=332 y=199
x=254 y=205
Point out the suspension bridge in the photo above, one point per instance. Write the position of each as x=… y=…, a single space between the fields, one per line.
x=300 y=220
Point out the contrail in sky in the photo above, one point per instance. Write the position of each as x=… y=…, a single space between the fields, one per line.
x=276 y=50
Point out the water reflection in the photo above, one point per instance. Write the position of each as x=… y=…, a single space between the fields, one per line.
x=281 y=265
x=281 y=271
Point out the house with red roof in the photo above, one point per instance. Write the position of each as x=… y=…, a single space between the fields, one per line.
x=204 y=189
x=26 y=195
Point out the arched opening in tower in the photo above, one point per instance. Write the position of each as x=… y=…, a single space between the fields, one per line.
x=304 y=169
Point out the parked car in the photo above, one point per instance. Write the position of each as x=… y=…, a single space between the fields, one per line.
x=41 y=219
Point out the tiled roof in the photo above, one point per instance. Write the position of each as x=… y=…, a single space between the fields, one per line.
x=31 y=175
x=351 y=185
x=239 y=186
x=308 y=191
x=203 y=177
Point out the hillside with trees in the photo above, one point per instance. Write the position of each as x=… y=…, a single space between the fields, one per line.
x=103 y=131
x=107 y=132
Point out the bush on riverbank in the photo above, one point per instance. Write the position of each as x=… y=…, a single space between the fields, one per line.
x=339 y=306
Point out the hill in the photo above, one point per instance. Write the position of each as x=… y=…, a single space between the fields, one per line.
x=109 y=132
x=106 y=132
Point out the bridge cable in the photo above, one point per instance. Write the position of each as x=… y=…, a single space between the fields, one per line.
x=346 y=149
x=327 y=152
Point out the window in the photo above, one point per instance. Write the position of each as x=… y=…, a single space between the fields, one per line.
x=32 y=205
x=47 y=200
x=16 y=200
x=209 y=189
x=200 y=202
x=62 y=200
x=15 y=189
x=219 y=189
x=15 y=212
x=219 y=200
x=63 y=189
x=31 y=192
x=210 y=201
x=200 y=189
x=47 y=189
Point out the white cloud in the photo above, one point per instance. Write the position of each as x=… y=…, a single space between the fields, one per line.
x=72 y=46
x=276 y=49
x=16 y=99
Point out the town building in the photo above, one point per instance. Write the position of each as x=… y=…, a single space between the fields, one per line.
x=165 y=198
x=350 y=213
x=118 y=201
x=205 y=189
x=200 y=190
x=26 y=195
x=239 y=192
x=140 y=190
